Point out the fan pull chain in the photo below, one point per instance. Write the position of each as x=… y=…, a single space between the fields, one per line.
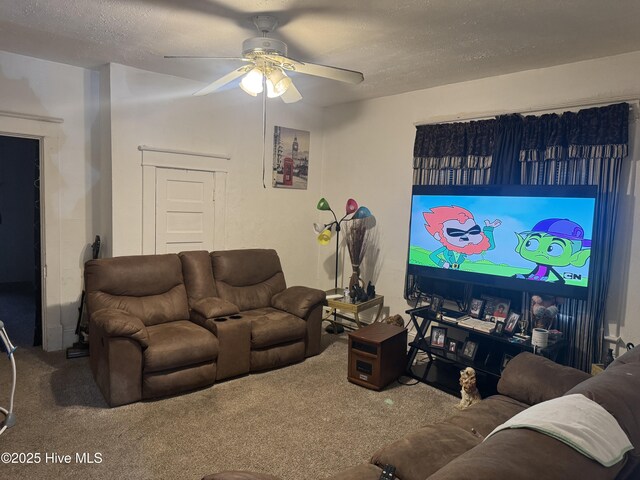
x=264 y=128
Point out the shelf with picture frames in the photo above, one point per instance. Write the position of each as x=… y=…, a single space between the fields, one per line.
x=488 y=353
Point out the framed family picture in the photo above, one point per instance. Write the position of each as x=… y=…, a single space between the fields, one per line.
x=436 y=303
x=475 y=307
x=469 y=350
x=499 y=328
x=496 y=307
x=438 y=337
x=511 y=323
x=452 y=346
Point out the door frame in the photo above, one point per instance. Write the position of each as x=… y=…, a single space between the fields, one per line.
x=154 y=158
x=47 y=130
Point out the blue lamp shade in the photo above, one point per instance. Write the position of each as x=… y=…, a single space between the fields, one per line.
x=362 y=212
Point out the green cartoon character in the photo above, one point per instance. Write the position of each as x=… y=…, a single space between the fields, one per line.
x=553 y=242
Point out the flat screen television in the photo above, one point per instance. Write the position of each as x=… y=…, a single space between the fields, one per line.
x=529 y=238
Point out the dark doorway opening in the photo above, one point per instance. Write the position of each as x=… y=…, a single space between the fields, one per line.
x=20 y=250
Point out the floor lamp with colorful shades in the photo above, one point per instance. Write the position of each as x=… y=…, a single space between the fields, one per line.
x=324 y=231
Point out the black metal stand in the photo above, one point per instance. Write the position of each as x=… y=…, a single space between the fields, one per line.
x=338 y=328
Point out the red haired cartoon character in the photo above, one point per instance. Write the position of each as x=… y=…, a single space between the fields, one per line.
x=460 y=235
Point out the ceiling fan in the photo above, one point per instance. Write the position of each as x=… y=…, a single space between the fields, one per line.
x=267 y=65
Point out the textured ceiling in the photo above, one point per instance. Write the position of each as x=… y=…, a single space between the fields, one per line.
x=399 y=45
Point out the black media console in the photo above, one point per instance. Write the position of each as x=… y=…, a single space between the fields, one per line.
x=443 y=368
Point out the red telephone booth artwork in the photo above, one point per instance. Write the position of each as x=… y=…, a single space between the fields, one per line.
x=287 y=171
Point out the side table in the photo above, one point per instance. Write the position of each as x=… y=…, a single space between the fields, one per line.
x=377 y=355
x=339 y=304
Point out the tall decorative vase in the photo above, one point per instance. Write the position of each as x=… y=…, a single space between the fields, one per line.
x=355 y=277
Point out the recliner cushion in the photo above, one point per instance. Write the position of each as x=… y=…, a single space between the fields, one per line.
x=178 y=344
x=272 y=327
x=248 y=278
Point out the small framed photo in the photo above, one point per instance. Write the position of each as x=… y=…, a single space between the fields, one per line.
x=511 y=323
x=452 y=345
x=436 y=303
x=496 y=307
x=438 y=337
x=469 y=349
x=475 y=307
x=506 y=358
x=499 y=328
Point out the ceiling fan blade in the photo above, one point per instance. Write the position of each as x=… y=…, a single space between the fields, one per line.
x=240 y=59
x=334 y=73
x=229 y=77
x=325 y=71
x=292 y=95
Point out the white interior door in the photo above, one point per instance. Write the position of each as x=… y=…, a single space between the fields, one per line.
x=185 y=210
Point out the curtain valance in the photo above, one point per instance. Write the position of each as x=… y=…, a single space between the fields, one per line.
x=592 y=133
x=454 y=145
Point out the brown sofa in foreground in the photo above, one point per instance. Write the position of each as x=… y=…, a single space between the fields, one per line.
x=450 y=450
x=164 y=324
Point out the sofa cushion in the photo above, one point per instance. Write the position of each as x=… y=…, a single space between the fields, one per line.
x=617 y=389
x=272 y=327
x=631 y=356
x=247 y=278
x=484 y=416
x=149 y=287
x=424 y=451
x=533 y=379
x=524 y=454
x=178 y=344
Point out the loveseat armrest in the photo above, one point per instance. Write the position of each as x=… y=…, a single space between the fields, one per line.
x=113 y=322
x=212 y=307
x=298 y=301
x=533 y=379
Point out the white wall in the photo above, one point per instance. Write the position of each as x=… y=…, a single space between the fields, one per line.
x=361 y=150
x=368 y=155
x=160 y=111
x=35 y=87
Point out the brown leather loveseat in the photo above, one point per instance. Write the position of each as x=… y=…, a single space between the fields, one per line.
x=164 y=324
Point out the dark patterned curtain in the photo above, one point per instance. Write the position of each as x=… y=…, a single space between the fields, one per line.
x=583 y=148
x=453 y=153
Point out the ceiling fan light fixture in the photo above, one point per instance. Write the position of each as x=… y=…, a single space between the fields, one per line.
x=252 y=82
x=277 y=83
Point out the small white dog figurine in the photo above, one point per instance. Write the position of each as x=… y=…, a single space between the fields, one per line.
x=469 y=391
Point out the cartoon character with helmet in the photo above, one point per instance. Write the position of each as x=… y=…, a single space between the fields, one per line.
x=553 y=242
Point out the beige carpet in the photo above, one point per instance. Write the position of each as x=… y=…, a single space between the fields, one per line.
x=301 y=422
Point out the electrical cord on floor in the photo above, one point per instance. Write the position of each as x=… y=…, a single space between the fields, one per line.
x=410 y=328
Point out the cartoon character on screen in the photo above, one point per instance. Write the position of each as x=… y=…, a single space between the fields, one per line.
x=553 y=242
x=460 y=235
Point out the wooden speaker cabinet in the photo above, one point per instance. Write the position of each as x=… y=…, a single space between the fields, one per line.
x=377 y=355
